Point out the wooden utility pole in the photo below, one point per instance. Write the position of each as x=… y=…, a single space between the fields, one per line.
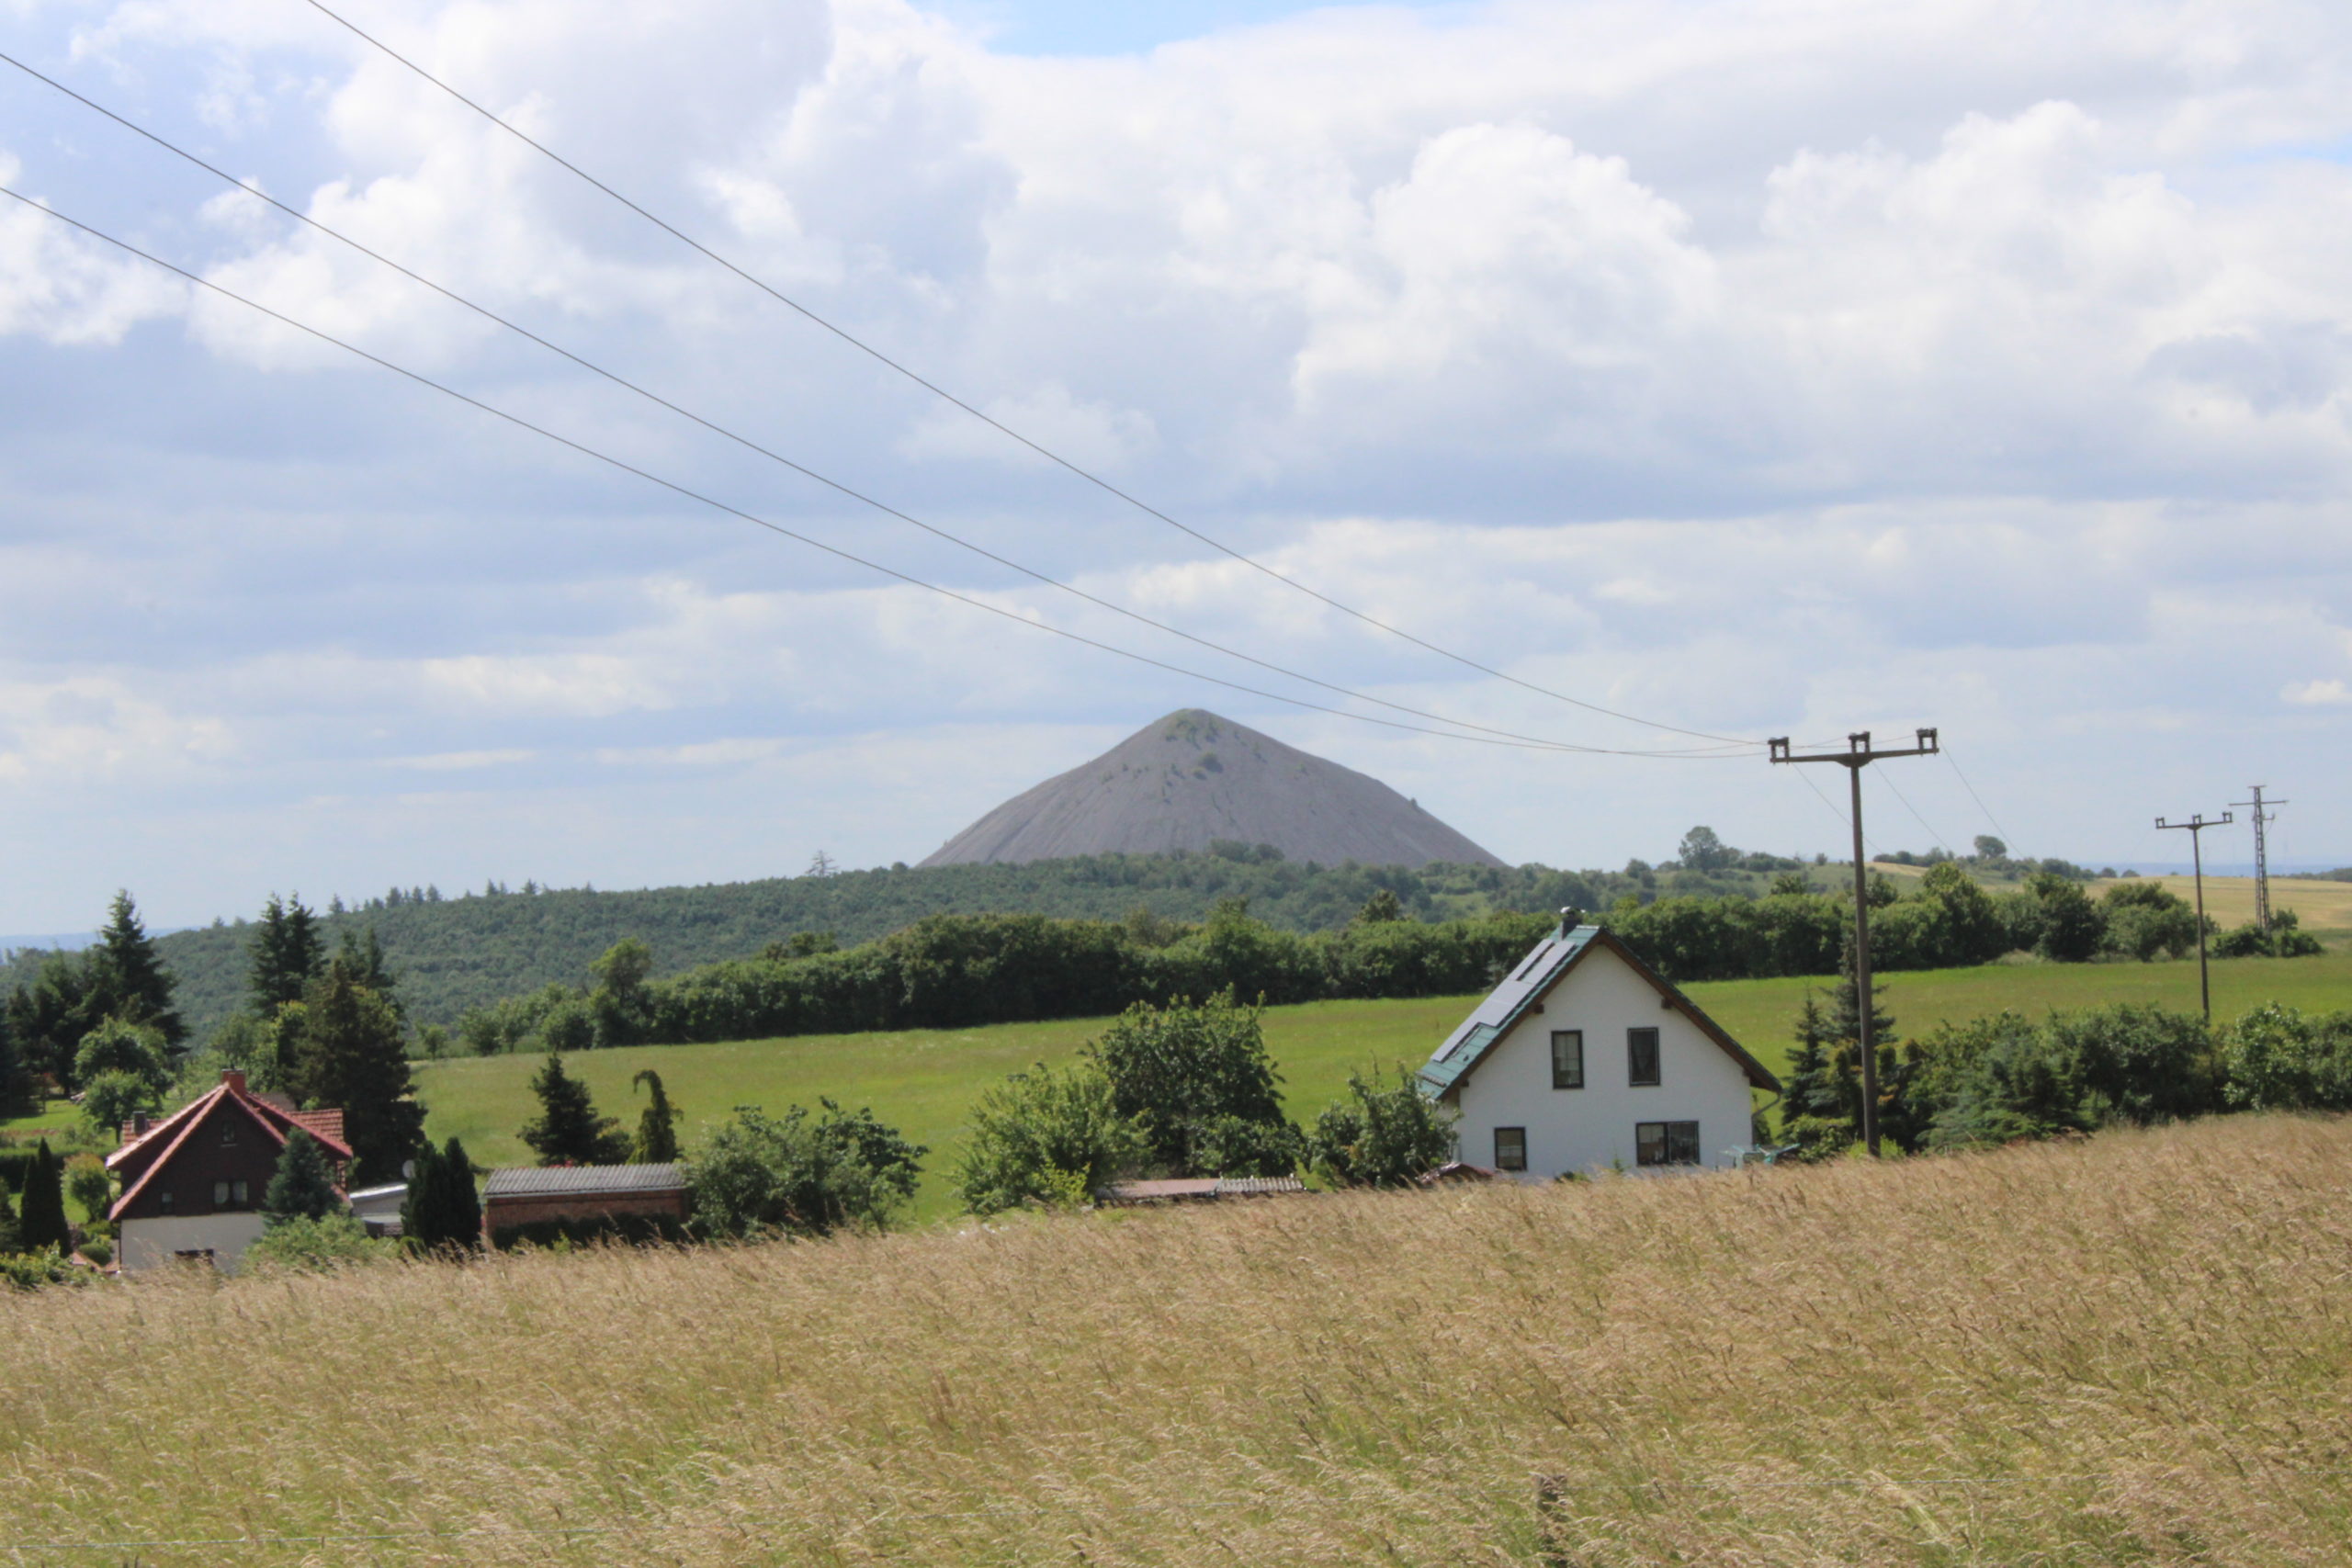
x=1860 y=755
x=2261 y=854
x=2195 y=828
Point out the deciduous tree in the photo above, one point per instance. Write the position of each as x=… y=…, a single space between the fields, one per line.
x=809 y=1174
x=1047 y=1138
x=1179 y=1070
x=1383 y=1134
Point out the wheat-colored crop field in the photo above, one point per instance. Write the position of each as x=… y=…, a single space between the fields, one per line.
x=2133 y=1350
x=2320 y=905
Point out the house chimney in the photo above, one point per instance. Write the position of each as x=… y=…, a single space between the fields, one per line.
x=1568 y=920
x=233 y=1078
x=138 y=1124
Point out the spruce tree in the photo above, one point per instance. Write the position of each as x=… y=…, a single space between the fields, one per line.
x=41 y=1221
x=420 y=1206
x=286 y=956
x=349 y=1055
x=657 y=1126
x=302 y=1187
x=50 y=1016
x=364 y=956
x=1822 y=1106
x=16 y=1076
x=464 y=1211
x=441 y=1210
x=567 y=1130
x=9 y=1241
x=129 y=978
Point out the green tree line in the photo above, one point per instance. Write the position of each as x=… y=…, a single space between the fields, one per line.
x=463 y=950
x=956 y=971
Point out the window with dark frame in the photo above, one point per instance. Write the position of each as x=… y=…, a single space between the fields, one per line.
x=1641 y=1057
x=237 y=1191
x=1666 y=1143
x=219 y=1194
x=1510 y=1148
x=1567 y=1058
x=228 y=1132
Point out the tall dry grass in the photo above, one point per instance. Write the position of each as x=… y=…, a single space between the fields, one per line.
x=2133 y=1350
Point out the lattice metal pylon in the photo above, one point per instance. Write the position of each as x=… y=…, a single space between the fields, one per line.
x=2261 y=854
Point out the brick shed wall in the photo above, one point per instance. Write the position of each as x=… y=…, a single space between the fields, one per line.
x=537 y=1208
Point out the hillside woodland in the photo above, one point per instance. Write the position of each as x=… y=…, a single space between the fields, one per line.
x=465 y=951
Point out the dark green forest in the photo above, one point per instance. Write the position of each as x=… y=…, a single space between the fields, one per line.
x=458 y=952
x=451 y=955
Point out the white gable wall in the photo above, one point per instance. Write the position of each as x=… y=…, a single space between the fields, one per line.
x=151 y=1243
x=1582 y=1129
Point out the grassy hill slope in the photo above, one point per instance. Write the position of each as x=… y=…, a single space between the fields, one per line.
x=2131 y=1350
x=923 y=1081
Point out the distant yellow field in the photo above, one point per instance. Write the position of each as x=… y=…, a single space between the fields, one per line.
x=2321 y=905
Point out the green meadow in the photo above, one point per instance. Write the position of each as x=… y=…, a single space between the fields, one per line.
x=923 y=1081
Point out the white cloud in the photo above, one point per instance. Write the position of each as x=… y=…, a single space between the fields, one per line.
x=2316 y=694
x=62 y=286
x=1765 y=369
x=464 y=761
x=1092 y=433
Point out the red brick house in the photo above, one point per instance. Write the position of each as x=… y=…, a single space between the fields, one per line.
x=192 y=1183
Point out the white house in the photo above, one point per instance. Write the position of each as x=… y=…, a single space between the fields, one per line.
x=1584 y=1058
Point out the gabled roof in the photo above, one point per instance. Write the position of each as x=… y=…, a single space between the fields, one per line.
x=1531 y=980
x=144 y=1153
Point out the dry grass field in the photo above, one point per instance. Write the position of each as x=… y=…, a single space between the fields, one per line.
x=2136 y=1349
x=2321 y=905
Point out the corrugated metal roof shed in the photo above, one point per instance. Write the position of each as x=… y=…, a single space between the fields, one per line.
x=583 y=1181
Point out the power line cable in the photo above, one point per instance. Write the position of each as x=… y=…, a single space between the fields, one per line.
x=1843 y=820
x=1976 y=797
x=1923 y=822
x=745 y=442
x=800 y=468
x=716 y=504
x=991 y=421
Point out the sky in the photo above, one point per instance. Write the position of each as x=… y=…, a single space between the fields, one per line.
x=1750 y=367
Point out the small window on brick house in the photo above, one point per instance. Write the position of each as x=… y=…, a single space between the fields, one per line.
x=219 y=1194
x=164 y=1199
x=228 y=1131
x=1641 y=1057
x=237 y=1191
x=1567 y=1058
x=1510 y=1148
x=1666 y=1143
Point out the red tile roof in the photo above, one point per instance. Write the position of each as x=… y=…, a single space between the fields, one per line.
x=142 y=1155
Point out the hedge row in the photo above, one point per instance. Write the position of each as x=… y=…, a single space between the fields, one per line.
x=958 y=971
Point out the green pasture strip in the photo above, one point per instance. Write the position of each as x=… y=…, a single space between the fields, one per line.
x=923 y=1081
